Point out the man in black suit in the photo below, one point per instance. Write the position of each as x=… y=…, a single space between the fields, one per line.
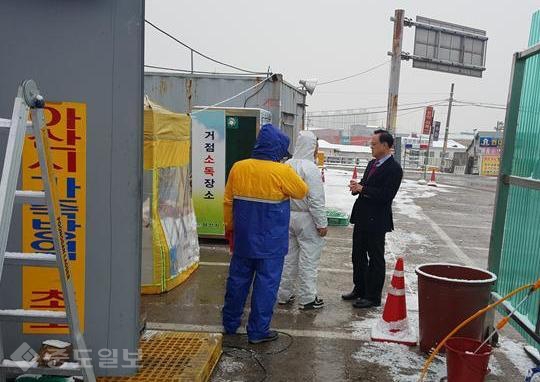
x=372 y=219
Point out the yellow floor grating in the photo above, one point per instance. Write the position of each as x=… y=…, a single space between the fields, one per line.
x=175 y=356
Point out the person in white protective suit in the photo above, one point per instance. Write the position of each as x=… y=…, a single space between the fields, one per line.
x=308 y=226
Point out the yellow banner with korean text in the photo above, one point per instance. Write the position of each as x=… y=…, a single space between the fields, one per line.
x=66 y=140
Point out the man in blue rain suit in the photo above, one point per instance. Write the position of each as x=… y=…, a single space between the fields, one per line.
x=256 y=214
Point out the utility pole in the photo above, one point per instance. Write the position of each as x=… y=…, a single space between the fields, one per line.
x=395 y=67
x=445 y=144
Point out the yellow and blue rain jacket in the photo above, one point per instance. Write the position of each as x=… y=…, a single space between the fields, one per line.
x=257 y=207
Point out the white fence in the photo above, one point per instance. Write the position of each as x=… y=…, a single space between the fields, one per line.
x=345 y=161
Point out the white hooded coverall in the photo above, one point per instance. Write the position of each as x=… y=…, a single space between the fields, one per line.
x=308 y=214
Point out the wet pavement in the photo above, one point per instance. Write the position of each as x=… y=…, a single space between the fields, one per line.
x=448 y=224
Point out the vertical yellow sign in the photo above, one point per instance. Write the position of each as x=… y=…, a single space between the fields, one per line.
x=66 y=135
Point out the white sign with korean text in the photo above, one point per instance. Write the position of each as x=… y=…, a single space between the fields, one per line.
x=208 y=170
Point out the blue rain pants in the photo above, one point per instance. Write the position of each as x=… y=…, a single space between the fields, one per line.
x=265 y=274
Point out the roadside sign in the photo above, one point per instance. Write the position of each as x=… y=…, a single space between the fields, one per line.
x=450 y=48
x=436 y=130
x=490 y=142
x=428 y=120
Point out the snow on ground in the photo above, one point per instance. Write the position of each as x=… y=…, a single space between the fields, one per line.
x=398 y=241
x=515 y=353
x=404 y=363
x=229 y=365
x=362 y=328
x=337 y=190
x=411 y=190
x=338 y=194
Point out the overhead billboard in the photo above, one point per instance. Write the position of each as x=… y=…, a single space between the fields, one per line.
x=450 y=48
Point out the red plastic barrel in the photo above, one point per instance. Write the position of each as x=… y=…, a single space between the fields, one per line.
x=447 y=295
x=463 y=364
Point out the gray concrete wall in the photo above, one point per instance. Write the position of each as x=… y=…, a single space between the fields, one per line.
x=89 y=52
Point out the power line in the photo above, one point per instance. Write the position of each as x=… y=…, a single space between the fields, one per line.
x=481 y=103
x=423 y=103
x=488 y=106
x=399 y=115
x=371 y=112
x=234 y=96
x=197 y=71
x=255 y=93
x=408 y=113
x=355 y=75
x=199 y=53
x=412 y=112
x=375 y=93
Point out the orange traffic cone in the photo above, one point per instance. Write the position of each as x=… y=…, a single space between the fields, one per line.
x=432 y=182
x=394 y=325
x=355 y=173
x=322 y=174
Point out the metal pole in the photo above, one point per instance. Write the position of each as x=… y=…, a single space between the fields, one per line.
x=395 y=67
x=428 y=147
x=304 y=124
x=445 y=144
x=192 y=61
x=507 y=156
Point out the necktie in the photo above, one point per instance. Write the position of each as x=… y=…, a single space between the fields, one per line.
x=373 y=168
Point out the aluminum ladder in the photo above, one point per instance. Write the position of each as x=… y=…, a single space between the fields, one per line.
x=29 y=100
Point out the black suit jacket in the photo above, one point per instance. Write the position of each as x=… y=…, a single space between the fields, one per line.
x=372 y=210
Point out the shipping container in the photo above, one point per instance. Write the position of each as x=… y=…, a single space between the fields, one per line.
x=181 y=92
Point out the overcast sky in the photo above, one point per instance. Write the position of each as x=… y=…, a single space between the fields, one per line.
x=332 y=39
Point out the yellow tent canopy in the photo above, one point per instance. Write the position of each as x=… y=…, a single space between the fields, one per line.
x=166 y=133
x=170 y=243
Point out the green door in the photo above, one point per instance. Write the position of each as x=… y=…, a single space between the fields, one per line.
x=240 y=139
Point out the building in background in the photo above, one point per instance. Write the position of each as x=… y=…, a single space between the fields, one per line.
x=328 y=135
x=415 y=151
x=348 y=126
x=484 y=153
x=356 y=134
x=350 y=155
x=337 y=119
x=463 y=137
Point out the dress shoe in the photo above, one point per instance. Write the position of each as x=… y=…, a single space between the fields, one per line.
x=363 y=303
x=351 y=296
